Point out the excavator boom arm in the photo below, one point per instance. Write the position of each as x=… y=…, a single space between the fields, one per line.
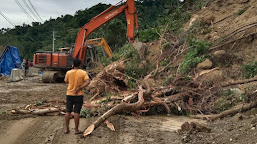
x=101 y=42
x=104 y=17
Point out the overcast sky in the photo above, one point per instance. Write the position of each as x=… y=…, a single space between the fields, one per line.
x=45 y=8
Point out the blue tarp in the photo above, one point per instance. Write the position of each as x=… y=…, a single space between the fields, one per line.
x=9 y=60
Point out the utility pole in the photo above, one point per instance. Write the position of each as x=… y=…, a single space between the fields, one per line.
x=53 y=40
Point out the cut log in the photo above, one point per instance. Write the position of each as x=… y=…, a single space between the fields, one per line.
x=38 y=111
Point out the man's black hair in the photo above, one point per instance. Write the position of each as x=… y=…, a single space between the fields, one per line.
x=76 y=62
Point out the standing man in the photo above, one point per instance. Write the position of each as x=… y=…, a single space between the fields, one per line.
x=77 y=80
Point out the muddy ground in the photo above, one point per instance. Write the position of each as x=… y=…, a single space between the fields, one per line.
x=160 y=129
x=28 y=129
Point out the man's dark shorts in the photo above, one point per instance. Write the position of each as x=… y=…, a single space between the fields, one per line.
x=76 y=101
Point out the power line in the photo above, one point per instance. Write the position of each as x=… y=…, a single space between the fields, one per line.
x=35 y=10
x=26 y=4
x=18 y=3
x=6 y=18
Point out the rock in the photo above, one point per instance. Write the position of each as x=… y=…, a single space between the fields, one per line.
x=141 y=48
x=194 y=127
x=208 y=20
x=185 y=126
x=207 y=64
x=212 y=78
x=212 y=36
x=235 y=71
x=200 y=127
x=219 y=54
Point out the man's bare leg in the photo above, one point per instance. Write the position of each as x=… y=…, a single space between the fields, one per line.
x=67 y=122
x=76 y=120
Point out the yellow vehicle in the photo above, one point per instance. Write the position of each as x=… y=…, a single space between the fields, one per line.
x=92 y=42
x=92 y=54
x=100 y=42
x=66 y=50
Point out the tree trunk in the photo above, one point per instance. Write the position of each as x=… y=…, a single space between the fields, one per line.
x=120 y=108
x=234 y=110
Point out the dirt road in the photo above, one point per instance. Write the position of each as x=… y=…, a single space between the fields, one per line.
x=18 y=129
x=49 y=129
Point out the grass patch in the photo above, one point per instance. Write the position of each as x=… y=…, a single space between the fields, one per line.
x=225 y=101
x=168 y=80
x=250 y=70
x=86 y=113
x=241 y=11
x=39 y=103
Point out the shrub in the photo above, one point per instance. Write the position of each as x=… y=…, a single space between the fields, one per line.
x=241 y=11
x=250 y=70
x=149 y=34
x=195 y=55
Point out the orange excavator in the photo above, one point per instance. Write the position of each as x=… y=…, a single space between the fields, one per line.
x=60 y=63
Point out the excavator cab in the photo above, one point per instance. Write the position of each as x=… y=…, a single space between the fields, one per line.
x=91 y=57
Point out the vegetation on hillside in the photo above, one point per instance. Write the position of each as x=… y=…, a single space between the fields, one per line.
x=38 y=37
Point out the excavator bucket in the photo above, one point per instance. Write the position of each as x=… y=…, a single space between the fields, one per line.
x=141 y=48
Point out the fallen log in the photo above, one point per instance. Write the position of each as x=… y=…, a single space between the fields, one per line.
x=234 y=110
x=38 y=111
x=130 y=107
x=239 y=82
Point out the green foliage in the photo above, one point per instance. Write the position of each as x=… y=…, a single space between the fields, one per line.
x=241 y=11
x=165 y=46
x=86 y=113
x=131 y=83
x=38 y=37
x=196 y=54
x=225 y=101
x=39 y=103
x=105 y=100
x=105 y=61
x=195 y=4
x=168 y=81
x=229 y=98
x=175 y=20
x=149 y=34
x=164 y=63
x=250 y=70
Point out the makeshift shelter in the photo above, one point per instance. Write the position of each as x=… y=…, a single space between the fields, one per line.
x=9 y=60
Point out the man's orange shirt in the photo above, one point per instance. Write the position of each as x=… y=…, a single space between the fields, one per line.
x=75 y=78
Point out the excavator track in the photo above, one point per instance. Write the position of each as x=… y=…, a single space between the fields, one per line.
x=53 y=76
